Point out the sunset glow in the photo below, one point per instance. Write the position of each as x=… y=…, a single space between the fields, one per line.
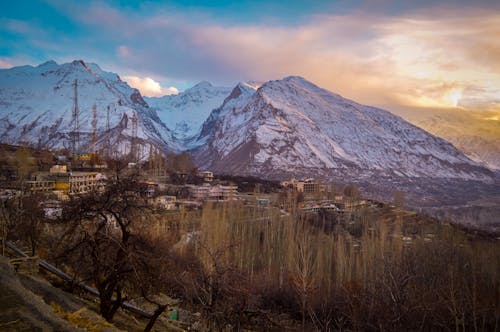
x=436 y=55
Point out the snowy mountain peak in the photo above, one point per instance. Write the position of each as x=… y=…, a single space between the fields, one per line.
x=202 y=85
x=249 y=86
x=185 y=112
x=291 y=126
x=48 y=64
x=37 y=105
x=283 y=127
x=242 y=88
x=296 y=79
x=298 y=87
x=77 y=65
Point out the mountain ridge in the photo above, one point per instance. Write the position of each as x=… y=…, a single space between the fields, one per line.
x=281 y=126
x=37 y=105
x=186 y=111
x=255 y=125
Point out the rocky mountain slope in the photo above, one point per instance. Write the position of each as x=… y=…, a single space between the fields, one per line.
x=477 y=134
x=36 y=106
x=185 y=112
x=277 y=129
x=292 y=127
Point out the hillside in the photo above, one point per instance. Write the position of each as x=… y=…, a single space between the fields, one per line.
x=36 y=106
x=185 y=112
x=477 y=134
x=291 y=127
x=275 y=130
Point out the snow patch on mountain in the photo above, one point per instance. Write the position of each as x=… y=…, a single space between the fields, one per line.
x=186 y=112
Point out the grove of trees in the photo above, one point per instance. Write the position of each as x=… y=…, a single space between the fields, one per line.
x=253 y=267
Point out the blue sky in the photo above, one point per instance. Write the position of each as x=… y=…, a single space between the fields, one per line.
x=382 y=52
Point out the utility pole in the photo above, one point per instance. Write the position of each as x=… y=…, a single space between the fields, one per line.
x=133 y=149
x=93 y=147
x=94 y=130
x=108 y=129
x=76 y=125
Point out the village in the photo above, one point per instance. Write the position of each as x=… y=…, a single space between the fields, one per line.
x=174 y=189
x=188 y=231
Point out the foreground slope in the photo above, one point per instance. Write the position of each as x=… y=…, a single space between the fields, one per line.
x=292 y=127
x=36 y=106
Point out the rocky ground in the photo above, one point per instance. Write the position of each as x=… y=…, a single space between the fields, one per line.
x=28 y=302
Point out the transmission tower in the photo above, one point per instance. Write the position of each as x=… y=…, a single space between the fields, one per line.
x=76 y=125
x=94 y=129
x=133 y=148
x=108 y=129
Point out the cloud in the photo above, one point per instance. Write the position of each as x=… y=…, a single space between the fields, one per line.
x=172 y=90
x=5 y=64
x=427 y=60
x=123 y=51
x=149 y=87
x=441 y=56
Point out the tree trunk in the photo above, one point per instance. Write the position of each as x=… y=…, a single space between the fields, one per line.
x=107 y=306
x=156 y=314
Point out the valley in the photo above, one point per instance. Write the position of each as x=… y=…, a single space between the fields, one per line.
x=276 y=130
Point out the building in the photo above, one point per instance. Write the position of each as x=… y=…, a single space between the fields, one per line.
x=294 y=184
x=39 y=186
x=199 y=192
x=61 y=180
x=311 y=187
x=228 y=192
x=84 y=156
x=208 y=192
x=84 y=182
x=166 y=202
x=308 y=186
x=148 y=188
x=59 y=169
x=207 y=176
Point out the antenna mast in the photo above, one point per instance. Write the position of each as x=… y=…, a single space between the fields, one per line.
x=76 y=124
x=94 y=129
x=133 y=149
x=108 y=128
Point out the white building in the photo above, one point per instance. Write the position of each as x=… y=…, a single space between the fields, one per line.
x=208 y=192
x=207 y=176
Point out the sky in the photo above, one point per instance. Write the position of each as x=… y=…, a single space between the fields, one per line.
x=393 y=54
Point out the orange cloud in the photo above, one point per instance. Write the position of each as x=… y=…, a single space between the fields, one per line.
x=438 y=57
x=426 y=61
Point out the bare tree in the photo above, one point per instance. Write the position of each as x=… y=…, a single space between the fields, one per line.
x=102 y=241
x=4 y=223
x=303 y=271
x=399 y=199
x=29 y=220
x=215 y=285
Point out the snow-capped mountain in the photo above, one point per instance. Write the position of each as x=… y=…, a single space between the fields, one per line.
x=292 y=127
x=185 y=112
x=36 y=106
x=276 y=129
